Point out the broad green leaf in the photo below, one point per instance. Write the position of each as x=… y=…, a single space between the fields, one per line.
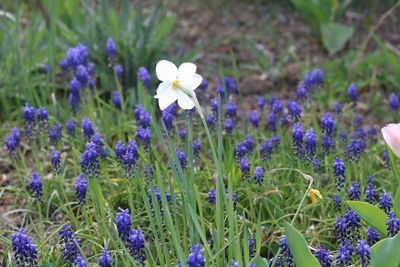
x=260 y=262
x=386 y=252
x=373 y=215
x=335 y=35
x=298 y=246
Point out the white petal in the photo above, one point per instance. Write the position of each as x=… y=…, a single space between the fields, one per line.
x=166 y=71
x=163 y=88
x=184 y=101
x=193 y=82
x=186 y=70
x=167 y=99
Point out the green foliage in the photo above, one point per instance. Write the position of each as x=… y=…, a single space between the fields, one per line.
x=373 y=215
x=386 y=252
x=322 y=17
x=260 y=262
x=298 y=246
x=335 y=35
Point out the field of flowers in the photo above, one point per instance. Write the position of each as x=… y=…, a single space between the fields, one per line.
x=119 y=152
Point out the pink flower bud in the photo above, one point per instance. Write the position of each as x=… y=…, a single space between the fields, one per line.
x=391 y=134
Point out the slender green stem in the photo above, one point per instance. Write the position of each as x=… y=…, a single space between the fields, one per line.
x=310 y=180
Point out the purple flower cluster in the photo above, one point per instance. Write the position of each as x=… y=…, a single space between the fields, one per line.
x=258 y=174
x=81 y=188
x=195 y=257
x=286 y=254
x=55 y=161
x=168 y=116
x=12 y=142
x=212 y=196
x=55 y=134
x=393 y=224
x=36 y=186
x=29 y=122
x=25 y=251
x=254 y=118
x=323 y=256
x=339 y=168
x=90 y=161
x=71 y=127
x=69 y=244
x=144 y=77
x=354 y=191
x=132 y=238
x=142 y=116
x=105 y=258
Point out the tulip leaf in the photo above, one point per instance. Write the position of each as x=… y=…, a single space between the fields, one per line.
x=386 y=252
x=260 y=262
x=373 y=215
x=396 y=204
x=393 y=164
x=302 y=255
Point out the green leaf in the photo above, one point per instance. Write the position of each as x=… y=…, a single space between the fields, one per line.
x=298 y=246
x=393 y=164
x=396 y=204
x=373 y=215
x=260 y=262
x=335 y=35
x=386 y=252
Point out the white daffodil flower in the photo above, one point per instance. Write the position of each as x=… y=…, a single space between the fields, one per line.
x=177 y=84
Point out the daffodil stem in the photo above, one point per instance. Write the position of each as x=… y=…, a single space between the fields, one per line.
x=310 y=183
x=220 y=181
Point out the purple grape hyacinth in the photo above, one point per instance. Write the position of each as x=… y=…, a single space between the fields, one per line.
x=36 y=186
x=144 y=77
x=123 y=222
x=12 y=142
x=393 y=224
x=196 y=257
x=69 y=244
x=286 y=254
x=394 y=101
x=111 y=48
x=385 y=202
x=354 y=191
x=87 y=128
x=90 y=161
x=339 y=168
x=25 y=251
x=363 y=251
x=55 y=134
x=55 y=161
x=105 y=258
x=323 y=256
x=258 y=174
x=352 y=92
x=81 y=188
x=142 y=116
x=116 y=100
x=70 y=126
x=212 y=196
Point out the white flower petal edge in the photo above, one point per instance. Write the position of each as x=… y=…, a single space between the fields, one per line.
x=166 y=71
x=177 y=84
x=184 y=101
x=186 y=71
x=193 y=82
